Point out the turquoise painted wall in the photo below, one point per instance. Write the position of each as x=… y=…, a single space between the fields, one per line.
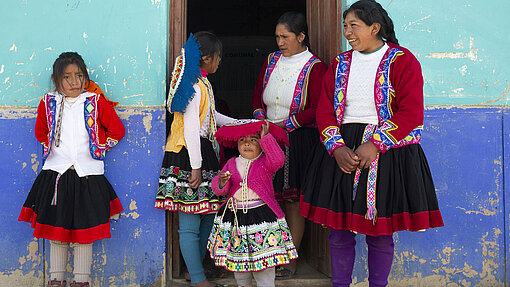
x=123 y=43
x=462 y=46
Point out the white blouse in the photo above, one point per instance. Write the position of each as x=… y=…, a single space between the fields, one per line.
x=241 y=168
x=74 y=141
x=360 y=102
x=193 y=131
x=279 y=91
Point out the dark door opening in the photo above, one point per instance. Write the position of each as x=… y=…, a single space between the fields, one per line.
x=246 y=29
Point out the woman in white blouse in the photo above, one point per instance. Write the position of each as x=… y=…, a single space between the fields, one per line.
x=286 y=94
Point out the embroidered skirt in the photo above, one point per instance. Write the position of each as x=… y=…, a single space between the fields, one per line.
x=83 y=207
x=252 y=241
x=405 y=194
x=174 y=192
x=288 y=179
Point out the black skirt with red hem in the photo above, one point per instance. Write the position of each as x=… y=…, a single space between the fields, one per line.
x=405 y=193
x=287 y=180
x=82 y=211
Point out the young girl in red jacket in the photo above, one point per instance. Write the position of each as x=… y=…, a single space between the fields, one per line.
x=250 y=234
x=71 y=201
x=372 y=177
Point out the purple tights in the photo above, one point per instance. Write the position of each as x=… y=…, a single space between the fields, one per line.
x=342 y=252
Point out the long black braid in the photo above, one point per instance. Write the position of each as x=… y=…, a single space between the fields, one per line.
x=372 y=12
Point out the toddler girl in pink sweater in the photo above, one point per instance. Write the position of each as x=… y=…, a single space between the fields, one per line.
x=250 y=234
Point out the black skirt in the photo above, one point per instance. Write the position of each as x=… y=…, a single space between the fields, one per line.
x=288 y=179
x=405 y=193
x=82 y=211
x=174 y=193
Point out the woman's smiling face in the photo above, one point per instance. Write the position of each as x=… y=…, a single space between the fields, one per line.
x=361 y=37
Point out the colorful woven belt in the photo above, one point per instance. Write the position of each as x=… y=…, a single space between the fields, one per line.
x=371 y=180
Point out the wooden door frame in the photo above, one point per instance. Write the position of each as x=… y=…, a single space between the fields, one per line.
x=177 y=37
x=324 y=19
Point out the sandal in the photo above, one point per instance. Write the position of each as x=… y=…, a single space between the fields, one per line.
x=283 y=273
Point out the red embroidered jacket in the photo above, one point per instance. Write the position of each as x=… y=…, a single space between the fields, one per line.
x=306 y=93
x=101 y=121
x=398 y=92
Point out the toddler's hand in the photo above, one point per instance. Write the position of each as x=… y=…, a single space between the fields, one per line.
x=264 y=129
x=224 y=177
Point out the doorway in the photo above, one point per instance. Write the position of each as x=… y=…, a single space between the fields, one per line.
x=246 y=29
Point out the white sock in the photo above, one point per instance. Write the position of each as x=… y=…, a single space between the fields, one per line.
x=58 y=259
x=82 y=262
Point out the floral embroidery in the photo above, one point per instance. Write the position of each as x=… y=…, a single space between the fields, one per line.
x=258 y=238
x=272 y=240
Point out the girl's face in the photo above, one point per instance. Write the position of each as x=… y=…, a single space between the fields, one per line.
x=361 y=37
x=72 y=82
x=288 y=42
x=210 y=64
x=249 y=147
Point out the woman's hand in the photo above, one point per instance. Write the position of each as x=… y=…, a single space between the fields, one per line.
x=264 y=129
x=366 y=154
x=224 y=177
x=196 y=178
x=346 y=159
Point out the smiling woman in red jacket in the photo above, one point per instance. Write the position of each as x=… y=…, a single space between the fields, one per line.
x=370 y=117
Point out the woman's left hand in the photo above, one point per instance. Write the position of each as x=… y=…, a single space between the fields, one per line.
x=366 y=153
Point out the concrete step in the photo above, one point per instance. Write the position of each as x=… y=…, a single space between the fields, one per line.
x=305 y=276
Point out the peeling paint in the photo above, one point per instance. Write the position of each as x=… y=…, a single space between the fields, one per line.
x=32 y=256
x=471 y=55
x=147 y=123
x=19 y=278
x=128 y=275
x=133 y=214
x=35 y=162
x=413 y=26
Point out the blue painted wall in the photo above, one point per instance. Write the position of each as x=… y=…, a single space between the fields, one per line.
x=124 y=43
x=136 y=252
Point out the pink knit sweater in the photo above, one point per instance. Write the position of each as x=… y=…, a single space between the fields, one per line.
x=260 y=175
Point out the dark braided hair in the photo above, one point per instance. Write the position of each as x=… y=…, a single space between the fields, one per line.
x=62 y=62
x=372 y=12
x=296 y=23
x=210 y=44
